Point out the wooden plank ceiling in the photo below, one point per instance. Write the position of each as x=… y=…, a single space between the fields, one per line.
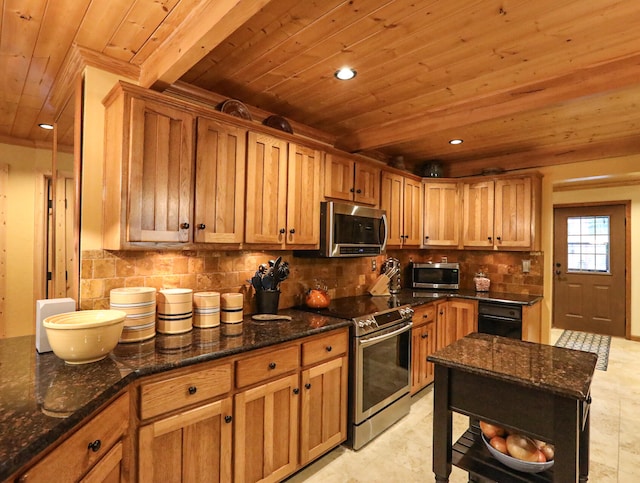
x=524 y=83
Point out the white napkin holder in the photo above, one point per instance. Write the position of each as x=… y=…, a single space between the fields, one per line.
x=44 y=309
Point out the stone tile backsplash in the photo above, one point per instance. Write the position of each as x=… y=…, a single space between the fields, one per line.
x=228 y=271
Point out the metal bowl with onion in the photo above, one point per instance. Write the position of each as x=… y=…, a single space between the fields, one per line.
x=84 y=336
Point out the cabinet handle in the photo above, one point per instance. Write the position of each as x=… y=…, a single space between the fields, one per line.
x=296 y=391
x=272 y=365
x=499 y=238
x=358 y=191
x=351 y=190
x=193 y=389
x=425 y=316
x=185 y=226
x=228 y=419
x=95 y=445
x=307 y=385
x=424 y=336
x=426 y=237
x=441 y=312
x=329 y=348
x=489 y=238
x=282 y=231
x=201 y=226
x=292 y=231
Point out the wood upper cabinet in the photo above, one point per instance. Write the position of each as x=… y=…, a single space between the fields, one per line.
x=442 y=213
x=283 y=192
x=351 y=180
x=94 y=453
x=401 y=197
x=502 y=214
x=266 y=431
x=148 y=171
x=220 y=182
x=423 y=343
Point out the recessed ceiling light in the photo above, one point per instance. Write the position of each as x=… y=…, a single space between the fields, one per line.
x=346 y=73
x=456 y=141
x=48 y=127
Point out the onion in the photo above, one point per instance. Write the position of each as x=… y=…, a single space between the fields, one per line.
x=499 y=444
x=549 y=451
x=491 y=430
x=541 y=457
x=522 y=448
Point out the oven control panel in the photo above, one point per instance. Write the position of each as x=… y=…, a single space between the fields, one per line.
x=380 y=320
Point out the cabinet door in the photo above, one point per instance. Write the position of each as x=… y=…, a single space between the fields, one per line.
x=462 y=315
x=220 y=178
x=391 y=197
x=160 y=173
x=367 y=184
x=423 y=343
x=446 y=331
x=108 y=469
x=441 y=214
x=478 y=214
x=266 y=189
x=266 y=431
x=323 y=421
x=194 y=445
x=412 y=212
x=513 y=213
x=338 y=180
x=303 y=200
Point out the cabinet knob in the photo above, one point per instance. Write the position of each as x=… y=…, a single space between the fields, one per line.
x=307 y=385
x=499 y=238
x=185 y=226
x=201 y=226
x=441 y=312
x=228 y=419
x=351 y=190
x=489 y=238
x=282 y=231
x=292 y=231
x=425 y=316
x=296 y=391
x=329 y=348
x=272 y=365
x=426 y=237
x=192 y=389
x=358 y=191
x=95 y=445
x=424 y=336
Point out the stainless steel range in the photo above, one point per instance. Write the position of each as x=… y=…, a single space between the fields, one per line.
x=380 y=363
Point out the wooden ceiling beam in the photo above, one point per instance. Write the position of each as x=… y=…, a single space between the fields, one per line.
x=210 y=23
x=605 y=77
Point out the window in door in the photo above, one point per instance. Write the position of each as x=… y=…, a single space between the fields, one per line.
x=588 y=242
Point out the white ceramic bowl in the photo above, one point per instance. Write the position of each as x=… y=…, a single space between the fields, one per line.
x=84 y=336
x=515 y=463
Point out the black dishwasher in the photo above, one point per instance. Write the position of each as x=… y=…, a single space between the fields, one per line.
x=499 y=318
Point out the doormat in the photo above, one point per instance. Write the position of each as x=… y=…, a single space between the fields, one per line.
x=587 y=342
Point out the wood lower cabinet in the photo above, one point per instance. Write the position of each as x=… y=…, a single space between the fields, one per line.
x=94 y=453
x=423 y=343
x=193 y=445
x=266 y=431
x=455 y=319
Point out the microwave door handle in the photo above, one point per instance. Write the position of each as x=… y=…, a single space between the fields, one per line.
x=384 y=224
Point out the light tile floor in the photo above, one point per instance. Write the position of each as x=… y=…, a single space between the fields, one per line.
x=403 y=452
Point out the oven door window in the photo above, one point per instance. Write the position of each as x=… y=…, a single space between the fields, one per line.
x=385 y=373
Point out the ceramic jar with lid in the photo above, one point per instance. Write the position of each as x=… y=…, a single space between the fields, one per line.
x=482 y=282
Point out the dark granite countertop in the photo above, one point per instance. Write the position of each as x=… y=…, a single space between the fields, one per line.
x=559 y=371
x=42 y=398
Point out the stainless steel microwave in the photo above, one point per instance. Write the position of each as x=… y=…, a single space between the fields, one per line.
x=435 y=276
x=348 y=230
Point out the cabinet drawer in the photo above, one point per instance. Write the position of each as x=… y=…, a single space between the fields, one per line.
x=180 y=391
x=424 y=314
x=324 y=348
x=266 y=366
x=74 y=457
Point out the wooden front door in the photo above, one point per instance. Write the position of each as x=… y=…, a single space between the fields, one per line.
x=589 y=288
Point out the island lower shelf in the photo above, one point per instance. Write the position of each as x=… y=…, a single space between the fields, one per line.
x=470 y=454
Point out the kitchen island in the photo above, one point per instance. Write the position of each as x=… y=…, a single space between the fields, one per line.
x=43 y=400
x=540 y=390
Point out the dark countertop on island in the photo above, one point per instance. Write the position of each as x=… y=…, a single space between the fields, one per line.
x=42 y=398
x=559 y=371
